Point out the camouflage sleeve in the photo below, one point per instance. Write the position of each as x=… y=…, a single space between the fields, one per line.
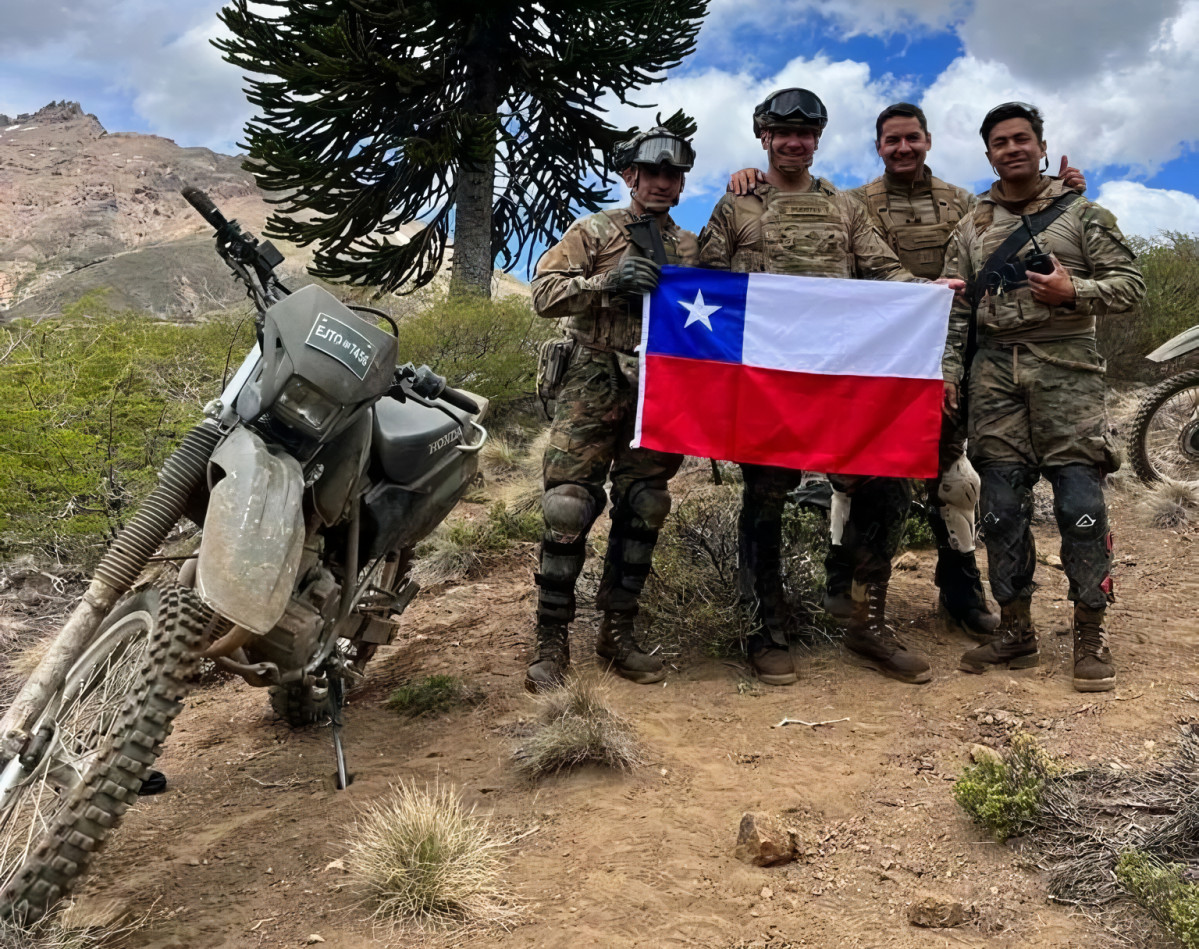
x=1116 y=284
x=716 y=243
x=565 y=283
x=958 y=264
x=873 y=257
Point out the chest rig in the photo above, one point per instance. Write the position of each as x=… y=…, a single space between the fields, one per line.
x=615 y=324
x=801 y=233
x=920 y=247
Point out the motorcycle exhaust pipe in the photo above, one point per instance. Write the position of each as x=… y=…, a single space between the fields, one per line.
x=119 y=569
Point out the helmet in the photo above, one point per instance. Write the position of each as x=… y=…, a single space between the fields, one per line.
x=658 y=146
x=790 y=107
x=1013 y=110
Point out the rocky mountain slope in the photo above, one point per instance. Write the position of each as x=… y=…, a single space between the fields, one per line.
x=82 y=208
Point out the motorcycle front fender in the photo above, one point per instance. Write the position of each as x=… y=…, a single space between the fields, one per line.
x=253 y=532
x=1180 y=345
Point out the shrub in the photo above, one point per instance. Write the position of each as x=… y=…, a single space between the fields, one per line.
x=578 y=726
x=486 y=346
x=1161 y=889
x=1004 y=794
x=425 y=860
x=430 y=695
x=91 y=404
x=459 y=548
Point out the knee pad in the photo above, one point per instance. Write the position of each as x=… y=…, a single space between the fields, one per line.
x=570 y=510
x=650 y=502
x=838 y=515
x=957 y=496
x=1007 y=497
x=1078 y=502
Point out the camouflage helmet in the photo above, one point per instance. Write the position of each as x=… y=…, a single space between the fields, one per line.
x=790 y=107
x=657 y=146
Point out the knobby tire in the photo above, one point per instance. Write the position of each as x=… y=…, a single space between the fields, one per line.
x=1152 y=401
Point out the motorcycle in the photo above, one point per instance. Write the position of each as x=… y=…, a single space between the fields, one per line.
x=1164 y=442
x=312 y=478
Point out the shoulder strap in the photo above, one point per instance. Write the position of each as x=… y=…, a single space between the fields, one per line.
x=1017 y=239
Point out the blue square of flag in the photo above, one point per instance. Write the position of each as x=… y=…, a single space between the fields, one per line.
x=698 y=314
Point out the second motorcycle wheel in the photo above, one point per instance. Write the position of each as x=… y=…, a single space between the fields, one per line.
x=93 y=747
x=1164 y=442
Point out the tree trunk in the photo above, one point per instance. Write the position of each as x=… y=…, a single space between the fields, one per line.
x=473 y=259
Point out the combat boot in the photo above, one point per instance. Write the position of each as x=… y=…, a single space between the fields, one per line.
x=838 y=582
x=962 y=595
x=770 y=660
x=617 y=644
x=547 y=670
x=873 y=643
x=1013 y=646
x=1094 y=670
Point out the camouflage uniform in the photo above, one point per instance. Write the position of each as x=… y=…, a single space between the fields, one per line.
x=1036 y=390
x=818 y=233
x=593 y=423
x=917 y=220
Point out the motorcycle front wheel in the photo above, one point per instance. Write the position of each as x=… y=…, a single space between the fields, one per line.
x=94 y=745
x=1164 y=443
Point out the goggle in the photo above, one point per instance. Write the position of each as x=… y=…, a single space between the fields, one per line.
x=792 y=105
x=664 y=149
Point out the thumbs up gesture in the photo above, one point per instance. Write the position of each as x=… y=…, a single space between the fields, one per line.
x=1071 y=177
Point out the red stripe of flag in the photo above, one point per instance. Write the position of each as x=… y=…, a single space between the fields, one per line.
x=863 y=425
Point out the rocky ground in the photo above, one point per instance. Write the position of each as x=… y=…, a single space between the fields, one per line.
x=244 y=848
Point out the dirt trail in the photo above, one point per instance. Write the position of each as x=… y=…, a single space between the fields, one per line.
x=236 y=853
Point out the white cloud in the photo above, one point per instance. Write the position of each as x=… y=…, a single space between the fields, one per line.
x=854 y=17
x=1148 y=212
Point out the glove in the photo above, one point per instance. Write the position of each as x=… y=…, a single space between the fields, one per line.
x=633 y=275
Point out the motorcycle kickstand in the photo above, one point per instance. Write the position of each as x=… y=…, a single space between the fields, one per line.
x=337 y=694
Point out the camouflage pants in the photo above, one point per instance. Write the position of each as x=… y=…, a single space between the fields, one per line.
x=589 y=443
x=1039 y=410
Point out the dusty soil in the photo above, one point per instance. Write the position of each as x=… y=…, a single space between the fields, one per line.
x=237 y=852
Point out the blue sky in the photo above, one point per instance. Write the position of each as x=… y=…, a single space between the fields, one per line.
x=1116 y=81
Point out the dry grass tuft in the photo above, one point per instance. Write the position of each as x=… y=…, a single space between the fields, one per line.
x=21 y=649
x=501 y=458
x=578 y=726
x=425 y=861
x=58 y=931
x=1169 y=503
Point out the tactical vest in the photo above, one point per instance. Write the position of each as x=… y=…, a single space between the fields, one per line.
x=801 y=233
x=919 y=247
x=615 y=325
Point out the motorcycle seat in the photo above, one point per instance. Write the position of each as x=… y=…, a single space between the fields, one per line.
x=410 y=438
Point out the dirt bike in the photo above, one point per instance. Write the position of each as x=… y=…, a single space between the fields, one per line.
x=313 y=476
x=1164 y=442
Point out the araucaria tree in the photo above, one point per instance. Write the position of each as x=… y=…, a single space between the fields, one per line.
x=377 y=113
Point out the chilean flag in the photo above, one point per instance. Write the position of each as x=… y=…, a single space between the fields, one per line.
x=838 y=376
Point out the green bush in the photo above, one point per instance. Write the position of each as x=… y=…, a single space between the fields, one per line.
x=1004 y=795
x=91 y=404
x=1161 y=889
x=486 y=346
x=430 y=695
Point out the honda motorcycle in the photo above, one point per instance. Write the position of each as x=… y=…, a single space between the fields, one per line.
x=312 y=478
x=1164 y=442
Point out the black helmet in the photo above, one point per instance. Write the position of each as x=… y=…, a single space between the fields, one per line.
x=658 y=146
x=790 y=107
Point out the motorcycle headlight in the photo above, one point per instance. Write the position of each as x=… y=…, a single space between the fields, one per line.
x=303 y=404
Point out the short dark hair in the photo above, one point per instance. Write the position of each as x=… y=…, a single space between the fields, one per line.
x=896 y=110
x=1013 y=110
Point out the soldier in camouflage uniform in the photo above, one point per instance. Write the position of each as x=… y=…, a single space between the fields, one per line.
x=1036 y=389
x=594 y=277
x=796 y=223
x=917 y=212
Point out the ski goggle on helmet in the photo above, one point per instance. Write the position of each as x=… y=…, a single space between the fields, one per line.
x=790 y=107
x=658 y=146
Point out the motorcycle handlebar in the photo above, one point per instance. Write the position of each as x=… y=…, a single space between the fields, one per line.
x=204 y=204
x=428 y=384
x=459 y=400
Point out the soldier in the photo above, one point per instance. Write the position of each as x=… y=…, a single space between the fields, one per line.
x=917 y=212
x=796 y=223
x=1035 y=384
x=595 y=277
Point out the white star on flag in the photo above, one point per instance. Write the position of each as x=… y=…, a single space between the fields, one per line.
x=698 y=310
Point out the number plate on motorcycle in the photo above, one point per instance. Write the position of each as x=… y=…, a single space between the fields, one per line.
x=344 y=343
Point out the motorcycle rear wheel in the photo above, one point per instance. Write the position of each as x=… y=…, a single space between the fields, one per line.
x=100 y=734
x=1164 y=442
